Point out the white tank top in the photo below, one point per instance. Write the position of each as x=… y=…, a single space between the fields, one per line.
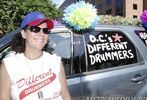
x=34 y=79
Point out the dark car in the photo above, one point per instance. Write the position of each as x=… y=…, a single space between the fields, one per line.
x=108 y=62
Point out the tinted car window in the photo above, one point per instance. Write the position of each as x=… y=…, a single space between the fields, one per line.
x=142 y=35
x=4 y=52
x=107 y=49
x=60 y=44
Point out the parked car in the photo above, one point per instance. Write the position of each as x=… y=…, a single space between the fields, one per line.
x=109 y=61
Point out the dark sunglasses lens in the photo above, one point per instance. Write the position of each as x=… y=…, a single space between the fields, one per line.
x=35 y=29
x=46 y=31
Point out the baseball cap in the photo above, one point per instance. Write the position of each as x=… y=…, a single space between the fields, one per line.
x=36 y=18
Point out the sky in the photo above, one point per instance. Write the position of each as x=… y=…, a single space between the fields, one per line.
x=58 y=2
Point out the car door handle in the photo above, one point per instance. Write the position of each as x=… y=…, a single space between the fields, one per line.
x=138 y=78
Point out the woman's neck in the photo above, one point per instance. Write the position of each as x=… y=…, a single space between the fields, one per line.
x=33 y=54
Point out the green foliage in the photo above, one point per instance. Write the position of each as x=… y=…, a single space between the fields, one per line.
x=13 y=11
x=118 y=20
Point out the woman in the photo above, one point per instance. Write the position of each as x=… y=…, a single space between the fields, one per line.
x=30 y=73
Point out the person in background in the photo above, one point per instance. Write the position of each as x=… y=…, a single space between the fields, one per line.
x=29 y=72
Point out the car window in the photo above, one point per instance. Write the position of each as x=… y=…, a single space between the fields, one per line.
x=60 y=44
x=142 y=35
x=107 y=49
x=5 y=52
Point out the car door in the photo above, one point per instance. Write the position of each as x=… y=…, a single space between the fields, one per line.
x=114 y=66
x=61 y=44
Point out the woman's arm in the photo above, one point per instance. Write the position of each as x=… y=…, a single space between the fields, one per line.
x=5 y=83
x=64 y=89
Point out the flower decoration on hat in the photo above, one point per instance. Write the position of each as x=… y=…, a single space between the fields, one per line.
x=80 y=16
x=143 y=18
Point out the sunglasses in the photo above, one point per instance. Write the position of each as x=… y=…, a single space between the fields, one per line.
x=37 y=29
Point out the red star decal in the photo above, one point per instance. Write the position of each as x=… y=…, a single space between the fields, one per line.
x=117 y=37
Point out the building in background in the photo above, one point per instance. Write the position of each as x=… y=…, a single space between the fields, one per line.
x=109 y=7
x=125 y=8
x=133 y=8
x=145 y=4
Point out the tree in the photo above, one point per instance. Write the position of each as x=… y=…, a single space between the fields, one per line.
x=13 y=11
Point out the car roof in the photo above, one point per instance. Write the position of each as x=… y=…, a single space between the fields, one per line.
x=102 y=26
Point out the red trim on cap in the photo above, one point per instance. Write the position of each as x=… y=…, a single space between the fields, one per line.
x=36 y=22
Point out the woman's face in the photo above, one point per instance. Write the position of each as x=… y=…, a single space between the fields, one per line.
x=35 y=40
